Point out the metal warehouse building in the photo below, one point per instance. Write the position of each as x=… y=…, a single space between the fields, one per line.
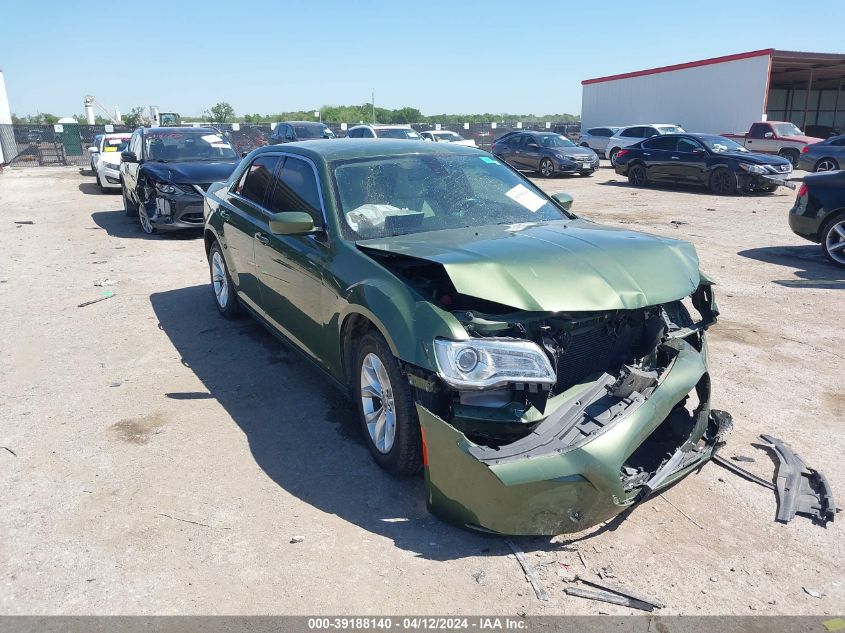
x=723 y=94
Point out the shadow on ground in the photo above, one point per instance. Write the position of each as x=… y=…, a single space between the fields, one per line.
x=691 y=189
x=118 y=224
x=304 y=433
x=92 y=189
x=810 y=267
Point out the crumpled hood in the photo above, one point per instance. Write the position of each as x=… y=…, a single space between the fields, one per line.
x=574 y=266
x=191 y=173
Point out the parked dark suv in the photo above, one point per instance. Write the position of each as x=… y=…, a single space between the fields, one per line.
x=165 y=170
x=292 y=131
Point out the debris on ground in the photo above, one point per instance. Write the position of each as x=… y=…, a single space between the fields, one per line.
x=297 y=539
x=106 y=295
x=479 y=576
x=724 y=463
x=684 y=514
x=24 y=222
x=800 y=489
x=677 y=223
x=583 y=560
x=10 y=450
x=622 y=591
x=528 y=571
x=815 y=593
x=742 y=458
x=606 y=572
x=105 y=282
x=606 y=596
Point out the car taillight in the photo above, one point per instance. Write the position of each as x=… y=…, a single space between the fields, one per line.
x=621 y=153
x=805 y=149
x=802 y=191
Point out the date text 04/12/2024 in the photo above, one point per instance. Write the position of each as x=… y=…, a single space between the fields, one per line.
x=417 y=623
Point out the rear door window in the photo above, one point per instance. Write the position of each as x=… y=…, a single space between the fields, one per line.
x=661 y=143
x=257 y=179
x=632 y=132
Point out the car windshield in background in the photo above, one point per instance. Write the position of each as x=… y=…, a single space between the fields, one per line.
x=669 y=129
x=418 y=193
x=555 y=140
x=448 y=136
x=115 y=144
x=721 y=145
x=787 y=129
x=312 y=131
x=187 y=146
x=398 y=133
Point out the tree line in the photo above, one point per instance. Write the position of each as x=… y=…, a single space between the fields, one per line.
x=223 y=112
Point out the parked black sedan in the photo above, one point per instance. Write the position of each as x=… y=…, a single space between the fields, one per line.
x=165 y=170
x=819 y=213
x=545 y=152
x=719 y=163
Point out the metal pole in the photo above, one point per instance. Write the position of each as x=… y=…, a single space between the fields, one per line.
x=374 y=106
x=807 y=99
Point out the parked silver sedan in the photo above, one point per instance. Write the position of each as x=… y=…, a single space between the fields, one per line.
x=825 y=156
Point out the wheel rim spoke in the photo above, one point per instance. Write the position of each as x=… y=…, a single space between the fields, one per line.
x=377 y=403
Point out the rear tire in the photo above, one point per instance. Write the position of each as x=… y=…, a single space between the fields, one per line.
x=723 y=182
x=637 y=175
x=833 y=240
x=791 y=155
x=826 y=164
x=223 y=290
x=376 y=371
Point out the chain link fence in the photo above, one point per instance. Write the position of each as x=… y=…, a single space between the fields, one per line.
x=67 y=144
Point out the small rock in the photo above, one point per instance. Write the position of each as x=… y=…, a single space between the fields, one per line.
x=722 y=479
x=606 y=572
x=714 y=579
x=815 y=593
x=479 y=576
x=115 y=384
x=772 y=602
x=733 y=568
x=297 y=539
x=752 y=607
x=703 y=591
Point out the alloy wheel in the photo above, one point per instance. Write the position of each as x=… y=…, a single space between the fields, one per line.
x=834 y=242
x=546 y=168
x=219 y=280
x=146 y=225
x=637 y=176
x=826 y=164
x=378 y=403
x=723 y=182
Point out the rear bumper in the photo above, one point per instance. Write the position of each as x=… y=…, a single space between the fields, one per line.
x=554 y=488
x=804 y=226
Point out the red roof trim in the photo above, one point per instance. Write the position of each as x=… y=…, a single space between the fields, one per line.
x=666 y=69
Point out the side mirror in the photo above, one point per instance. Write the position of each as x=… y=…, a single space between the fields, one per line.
x=128 y=157
x=769 y=135
x=93 y=149
x=244 y=153
x=564 y=200
x=698 y=150
x=291 y=223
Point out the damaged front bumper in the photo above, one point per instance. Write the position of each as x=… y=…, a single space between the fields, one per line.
x=176 y=211
x=589 y=460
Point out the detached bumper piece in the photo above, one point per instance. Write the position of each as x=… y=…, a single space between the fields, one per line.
x=799 y=488
x=175 y=212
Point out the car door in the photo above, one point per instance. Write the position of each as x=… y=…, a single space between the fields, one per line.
x=757 y=141
x=531 y=153
x=657 y=156
x=244 y=216
x=510 y=149
x=690 y=160
x=290 y=267
x=130 y=170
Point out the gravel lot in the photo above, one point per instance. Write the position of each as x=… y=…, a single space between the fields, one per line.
x=160 y=459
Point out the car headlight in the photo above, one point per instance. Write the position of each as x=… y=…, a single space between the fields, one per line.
x=753 y=169
x=164 y=187
x=491 y=362
x=114 y=166
x=562 y=156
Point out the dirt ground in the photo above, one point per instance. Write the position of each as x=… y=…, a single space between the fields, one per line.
x=159 y=460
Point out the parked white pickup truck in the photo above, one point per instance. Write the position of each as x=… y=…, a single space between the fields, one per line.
x=775 y=137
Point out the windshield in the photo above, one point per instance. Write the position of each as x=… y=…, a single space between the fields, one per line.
x=451 y=137
x=670 y=129
x=116 y=144
x=417 y=193
x=187 y=146
x=721 y=145
x=398 y=133
x=555 y=140
x=786 y=129
x=312 y=131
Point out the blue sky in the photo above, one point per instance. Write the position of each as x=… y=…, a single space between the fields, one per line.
x=438 y=56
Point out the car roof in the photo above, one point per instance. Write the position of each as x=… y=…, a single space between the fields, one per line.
x=204 y=130
x=117 y=135
x=351 y=149
x=300 y=123
x=382 y=126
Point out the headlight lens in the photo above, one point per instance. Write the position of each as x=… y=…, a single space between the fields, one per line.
x=114 y=166
x=491 y=362
x=165 y=187
x=754 y=169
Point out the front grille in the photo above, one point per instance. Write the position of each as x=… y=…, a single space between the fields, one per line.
x=581 y=159
x=192 y=218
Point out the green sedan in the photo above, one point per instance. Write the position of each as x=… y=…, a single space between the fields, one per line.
x=544 y=371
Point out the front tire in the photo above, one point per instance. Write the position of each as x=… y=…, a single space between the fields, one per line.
x=833 y=241
x=144 y=220
x=723 y=182
x=791 y=155
x=547 y=168
x=386 y=407
x=637 y=175
x=222 y=287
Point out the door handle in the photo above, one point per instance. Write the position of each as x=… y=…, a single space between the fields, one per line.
x=646 y=154
x=676 y=158
x=262 y=238
x=224 y=215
